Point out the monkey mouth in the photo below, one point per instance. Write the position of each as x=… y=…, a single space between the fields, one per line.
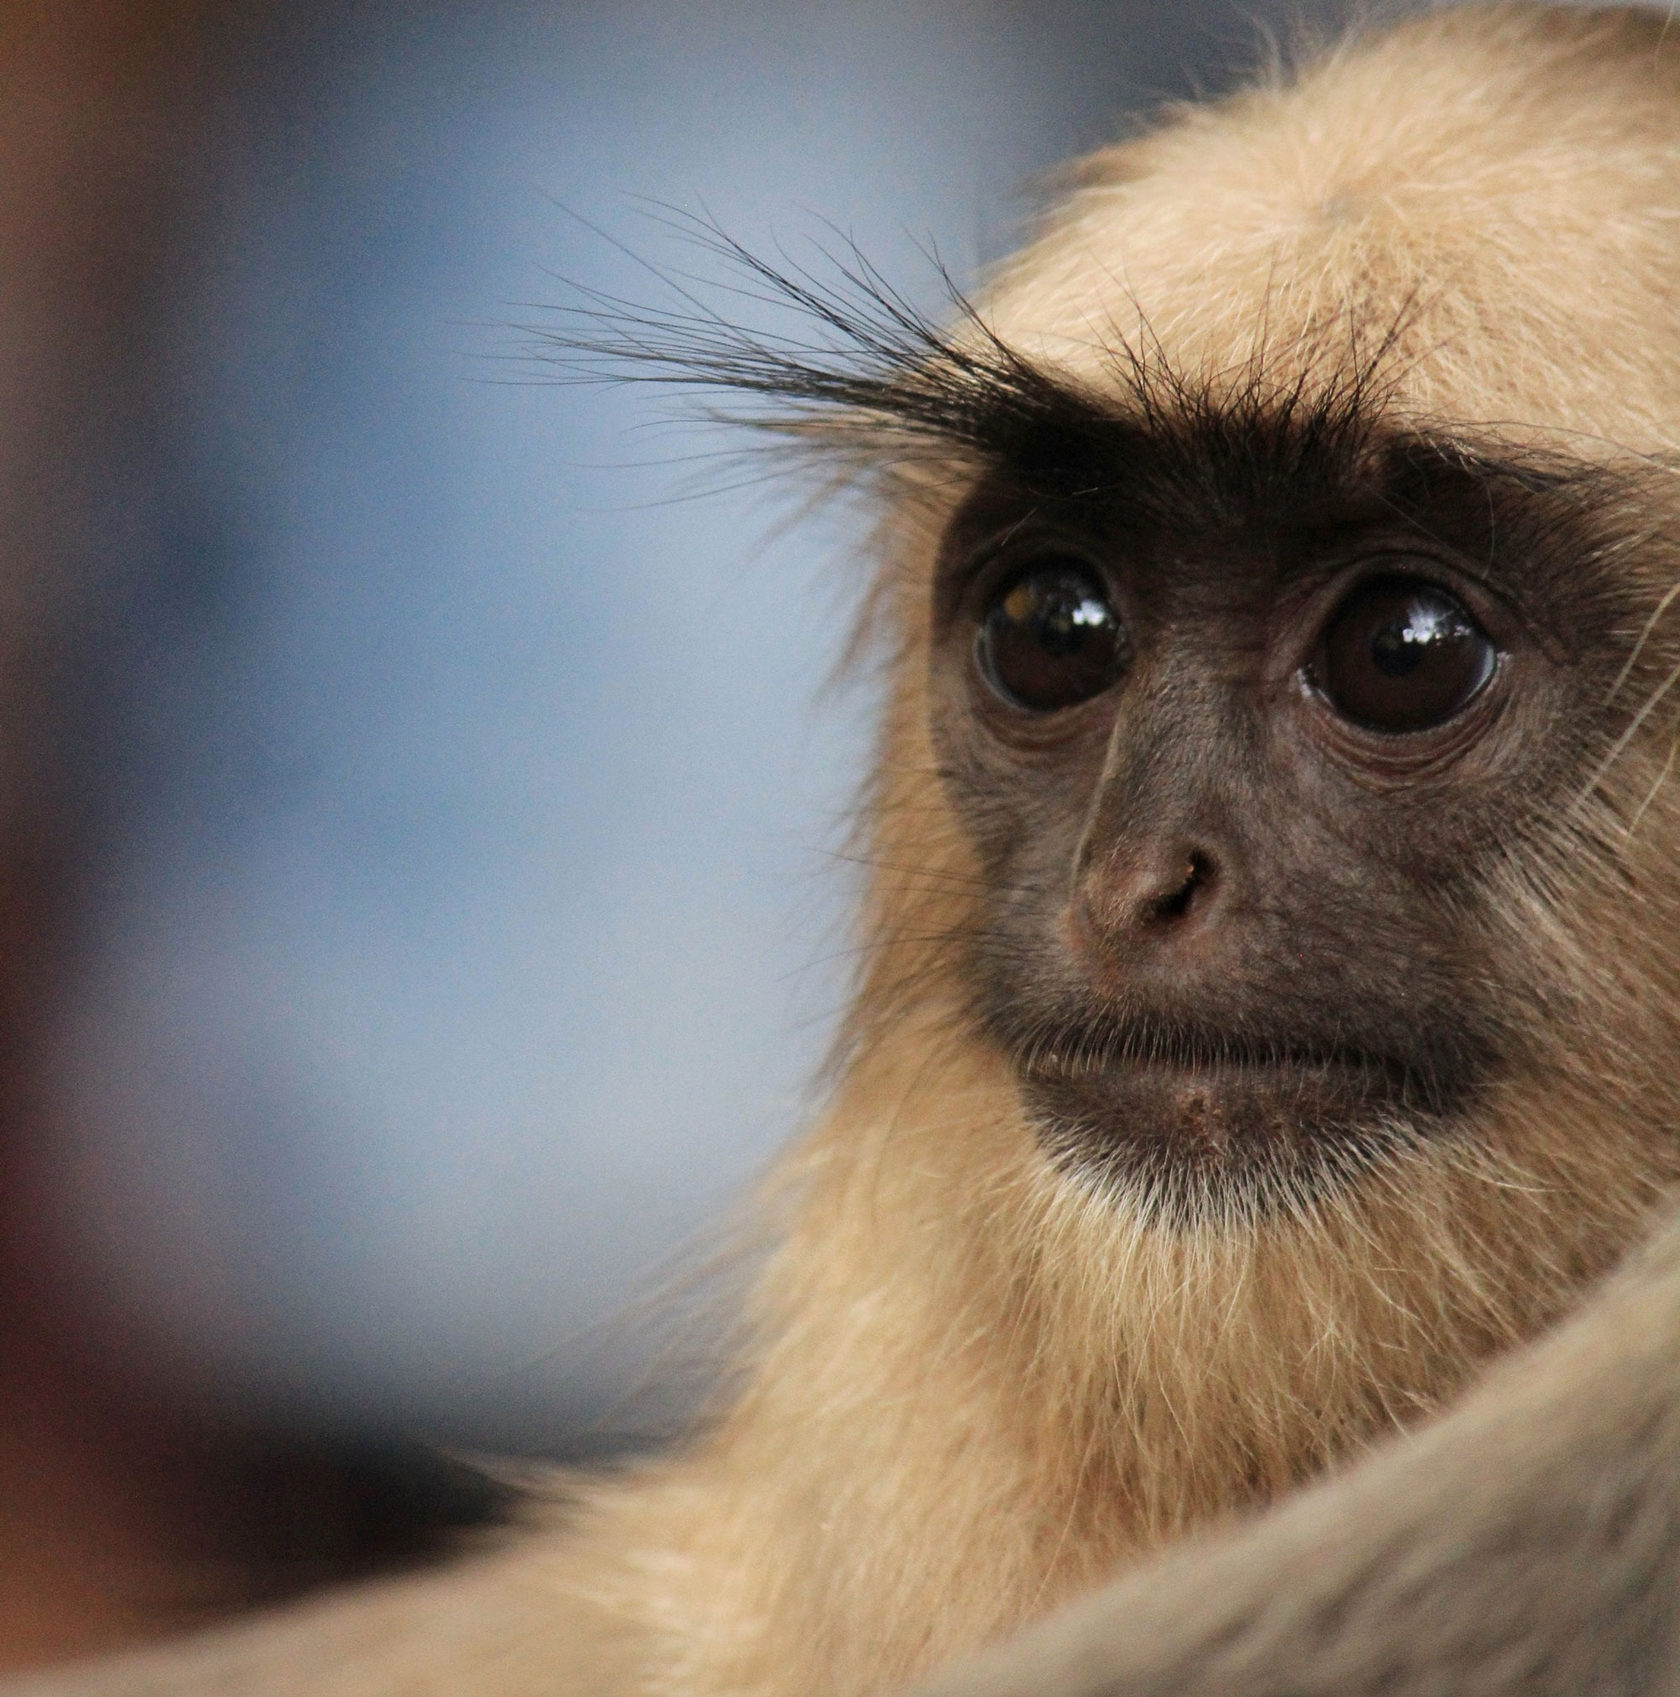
x=1199 y=1119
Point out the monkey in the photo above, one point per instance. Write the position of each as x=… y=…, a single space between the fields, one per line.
x=1267 y=1009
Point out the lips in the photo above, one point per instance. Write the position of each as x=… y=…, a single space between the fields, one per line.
x=1203 y=1113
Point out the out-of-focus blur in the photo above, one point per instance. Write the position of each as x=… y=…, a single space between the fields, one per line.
x=464 y=917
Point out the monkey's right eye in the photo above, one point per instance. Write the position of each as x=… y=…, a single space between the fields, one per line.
x=1052 y=638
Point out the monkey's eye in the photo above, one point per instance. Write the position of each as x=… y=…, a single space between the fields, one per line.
x=1402 y=655
x=1052 y=638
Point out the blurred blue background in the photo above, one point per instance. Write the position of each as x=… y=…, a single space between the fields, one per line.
x=479 y=922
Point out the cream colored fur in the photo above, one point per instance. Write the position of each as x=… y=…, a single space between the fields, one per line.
x=972 y=1385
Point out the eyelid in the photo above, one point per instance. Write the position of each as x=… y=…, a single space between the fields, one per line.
x=1495 y=603
x=1021 y=547
x=1312 y=605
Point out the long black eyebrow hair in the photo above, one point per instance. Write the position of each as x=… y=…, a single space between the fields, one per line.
x=866 y=362
x=865 y=380
x=868 y=358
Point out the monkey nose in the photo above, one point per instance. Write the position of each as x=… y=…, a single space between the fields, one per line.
x=1157 y=898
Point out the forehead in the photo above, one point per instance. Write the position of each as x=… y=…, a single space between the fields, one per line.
x=1491 y=200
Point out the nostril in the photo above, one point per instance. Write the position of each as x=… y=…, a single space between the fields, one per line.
x=1193 y=880
x=1158 y=899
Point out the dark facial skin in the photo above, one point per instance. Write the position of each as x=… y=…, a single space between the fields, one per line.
x=1236 y=777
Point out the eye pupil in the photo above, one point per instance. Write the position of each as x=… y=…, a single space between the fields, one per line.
x=1396 y=651
x=1052 y=639
x=1401 y=654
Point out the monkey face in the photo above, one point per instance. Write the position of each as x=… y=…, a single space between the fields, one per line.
x=1237 y=735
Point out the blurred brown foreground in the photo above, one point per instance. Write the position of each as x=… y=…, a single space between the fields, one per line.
x=130 y=1505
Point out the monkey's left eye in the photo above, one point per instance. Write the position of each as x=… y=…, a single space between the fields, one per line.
x=1052 y=638
x=1401 y=654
